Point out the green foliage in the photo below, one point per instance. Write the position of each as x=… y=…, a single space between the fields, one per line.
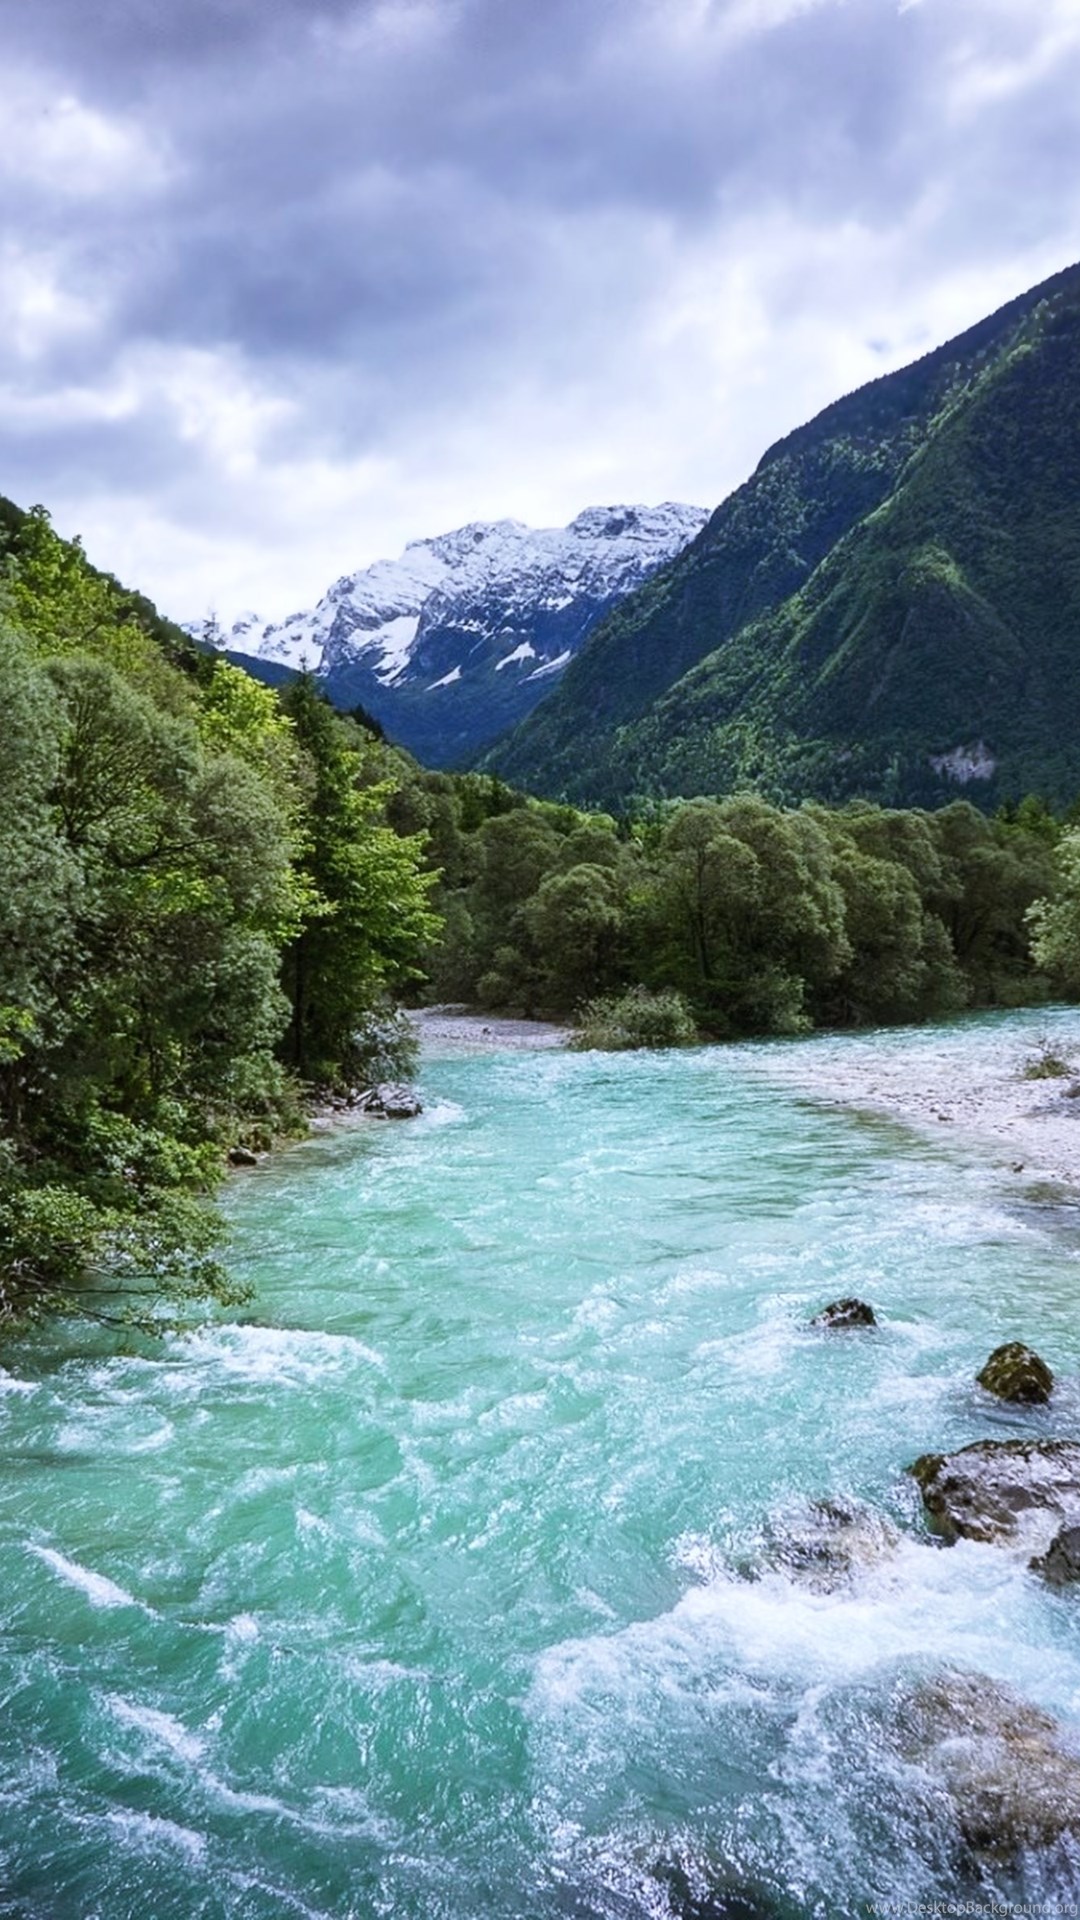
x=742 y=910
x=368 y=914
x=55 y=598
x=1046 y=1064
x=573 y=920
x=765 y=919
x=385 y=1046
x=1054 y=918
x=137 y=978
x=172 y=841
x=634 y=1018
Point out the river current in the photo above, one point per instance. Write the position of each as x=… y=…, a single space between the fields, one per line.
x=420 y=1588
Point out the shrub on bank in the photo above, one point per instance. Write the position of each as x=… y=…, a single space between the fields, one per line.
x=635 y=1018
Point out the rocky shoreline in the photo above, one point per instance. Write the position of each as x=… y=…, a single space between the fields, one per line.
x=456 y=1029
x=1009 y=1771
x=976 y=1087
x=441 y=1031
x=1032 y=1124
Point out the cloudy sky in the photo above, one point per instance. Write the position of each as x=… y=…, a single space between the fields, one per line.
x=289 y=282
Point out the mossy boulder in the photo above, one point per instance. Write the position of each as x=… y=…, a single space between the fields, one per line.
x=845 y=1313
x=1013 y=1782
x=997 y=1490
x=1015 y=1372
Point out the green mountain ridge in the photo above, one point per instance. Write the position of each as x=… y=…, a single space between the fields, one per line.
x=112 y=603
x=897 y=585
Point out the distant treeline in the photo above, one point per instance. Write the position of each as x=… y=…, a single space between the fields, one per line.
x=212 y=893
x=767 y=920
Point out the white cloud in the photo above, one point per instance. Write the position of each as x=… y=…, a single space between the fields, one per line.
x=38 y=310
x=761 y=16
x=71 y=149
x=730 y=352
x=1010 y=50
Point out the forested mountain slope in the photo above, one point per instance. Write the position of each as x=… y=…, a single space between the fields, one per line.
x=888 y=607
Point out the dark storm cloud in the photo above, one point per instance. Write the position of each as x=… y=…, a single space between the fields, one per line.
x=351 y=179
x=383 y=212
x=123 y=46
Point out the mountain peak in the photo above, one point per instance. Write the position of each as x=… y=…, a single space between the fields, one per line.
x=462 y=634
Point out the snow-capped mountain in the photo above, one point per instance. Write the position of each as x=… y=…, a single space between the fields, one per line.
x=465 y=633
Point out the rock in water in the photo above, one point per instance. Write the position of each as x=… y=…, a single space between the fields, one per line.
x=993 y=1489
x=1013 y=1783
x=1015 y=1372
x=845 y=1313
x=242 y=1157
x=700 y=1891
x=827 y=1543
x=393 y=1102
x=1059 y=1566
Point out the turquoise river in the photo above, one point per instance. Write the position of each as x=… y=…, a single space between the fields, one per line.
x=420 y=1589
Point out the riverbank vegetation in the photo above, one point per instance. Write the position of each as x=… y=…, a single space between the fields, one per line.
x=202 y=905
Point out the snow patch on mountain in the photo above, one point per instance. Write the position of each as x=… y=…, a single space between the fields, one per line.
x=550 y=666
x=524 y=652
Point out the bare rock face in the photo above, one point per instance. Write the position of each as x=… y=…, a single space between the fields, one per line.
x=997 y=1489
x=827 y=1543
x=1013 y=1782
x=1059 y=1566
x=845 y=1313
x=1014 y=1372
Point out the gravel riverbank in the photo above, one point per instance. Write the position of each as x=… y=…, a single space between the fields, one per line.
x=456 y=1030
x=968 y=1077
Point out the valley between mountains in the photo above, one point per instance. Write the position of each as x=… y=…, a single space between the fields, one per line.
x=887 y=608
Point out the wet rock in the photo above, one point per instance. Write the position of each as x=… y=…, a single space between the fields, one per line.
x=242 y=1157
x=698 y=1891
x=1015 y=1372
x=1059 y=1566
x=845 y=1313
x=1013 y=1783
x=392 y=1102
x=827 y=1543
x=689 y=1889
x=996 y=1489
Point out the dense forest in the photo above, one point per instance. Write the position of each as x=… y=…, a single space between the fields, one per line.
x=760 y=919
x=215 y=891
